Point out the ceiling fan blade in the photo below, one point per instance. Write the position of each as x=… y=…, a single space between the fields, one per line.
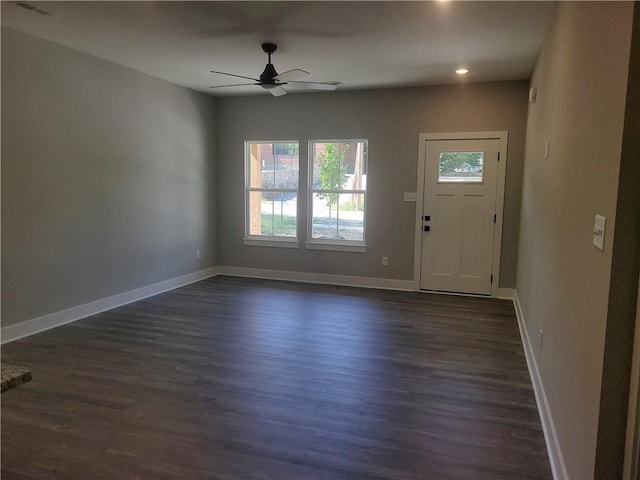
x=276 y=91
x=291 y=74
x=315 y=85
x=234 y=75
x=234 y=85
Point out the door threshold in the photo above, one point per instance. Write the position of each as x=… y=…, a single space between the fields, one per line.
x=458 y=294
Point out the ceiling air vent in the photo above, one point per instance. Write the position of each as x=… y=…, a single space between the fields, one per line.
x=32 y=8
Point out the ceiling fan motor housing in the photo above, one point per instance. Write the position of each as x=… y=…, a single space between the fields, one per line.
x=267 y=77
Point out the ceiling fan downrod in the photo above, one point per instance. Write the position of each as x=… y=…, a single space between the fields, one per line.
x=267 y=77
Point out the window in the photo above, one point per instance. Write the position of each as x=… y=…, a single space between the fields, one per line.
x=460 y=167
x=338 y=186
x=290 y=149
x=272 y=172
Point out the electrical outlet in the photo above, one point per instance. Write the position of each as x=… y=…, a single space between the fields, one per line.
x=540 y=340
x=198 y=254
x=385 y=261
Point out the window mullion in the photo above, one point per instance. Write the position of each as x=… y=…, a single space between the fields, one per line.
x=338 y=217
x=273 y=218
x=274 y=190
x=338 y=191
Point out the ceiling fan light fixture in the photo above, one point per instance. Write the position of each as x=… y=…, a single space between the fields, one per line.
x=462 y=71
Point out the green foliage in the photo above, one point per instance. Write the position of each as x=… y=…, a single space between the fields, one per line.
x=352 y=206
x=452 y=161
x=332 y=171
x=278 y=225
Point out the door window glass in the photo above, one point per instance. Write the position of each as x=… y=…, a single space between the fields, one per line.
x=458 y=167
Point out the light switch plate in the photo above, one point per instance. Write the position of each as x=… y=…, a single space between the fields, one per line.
x=409 y=196
x=598 y=232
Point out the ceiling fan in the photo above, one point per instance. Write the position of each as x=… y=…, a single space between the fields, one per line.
x=272 y=81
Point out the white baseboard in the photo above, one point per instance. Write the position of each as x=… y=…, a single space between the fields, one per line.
x=52 y=320
x=325 y=278
x=506 y=293
x=558 y=468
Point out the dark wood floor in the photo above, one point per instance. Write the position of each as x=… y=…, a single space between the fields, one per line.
x=235 y=378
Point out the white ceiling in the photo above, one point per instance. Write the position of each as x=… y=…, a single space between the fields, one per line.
x=362 y=44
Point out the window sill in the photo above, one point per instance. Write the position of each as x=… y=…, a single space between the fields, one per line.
x=272 y=242
x=337 y=247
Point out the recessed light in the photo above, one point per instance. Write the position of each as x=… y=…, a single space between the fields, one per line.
x=462 y=71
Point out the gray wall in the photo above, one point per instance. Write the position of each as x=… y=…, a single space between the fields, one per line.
x=391 y=120
x=106 y=178
x=563 y=282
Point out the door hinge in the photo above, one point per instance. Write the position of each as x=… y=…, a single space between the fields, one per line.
x=498 y=156
x=494 y=218
x=492 y=278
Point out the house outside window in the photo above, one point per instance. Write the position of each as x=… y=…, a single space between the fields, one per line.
x=337 y=194
x=271 y=192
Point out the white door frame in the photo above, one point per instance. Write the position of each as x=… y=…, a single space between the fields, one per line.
x=502 y=168
x=632 y=444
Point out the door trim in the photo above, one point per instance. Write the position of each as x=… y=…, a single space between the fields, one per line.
x=632 y=443
x=502 y=137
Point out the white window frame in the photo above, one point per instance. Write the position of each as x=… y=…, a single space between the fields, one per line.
x=266 y=240
x=354 y=246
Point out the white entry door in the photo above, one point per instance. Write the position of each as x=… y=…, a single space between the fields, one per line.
x=459 y=215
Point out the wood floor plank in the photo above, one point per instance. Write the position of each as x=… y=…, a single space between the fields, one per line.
x=233 y=378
